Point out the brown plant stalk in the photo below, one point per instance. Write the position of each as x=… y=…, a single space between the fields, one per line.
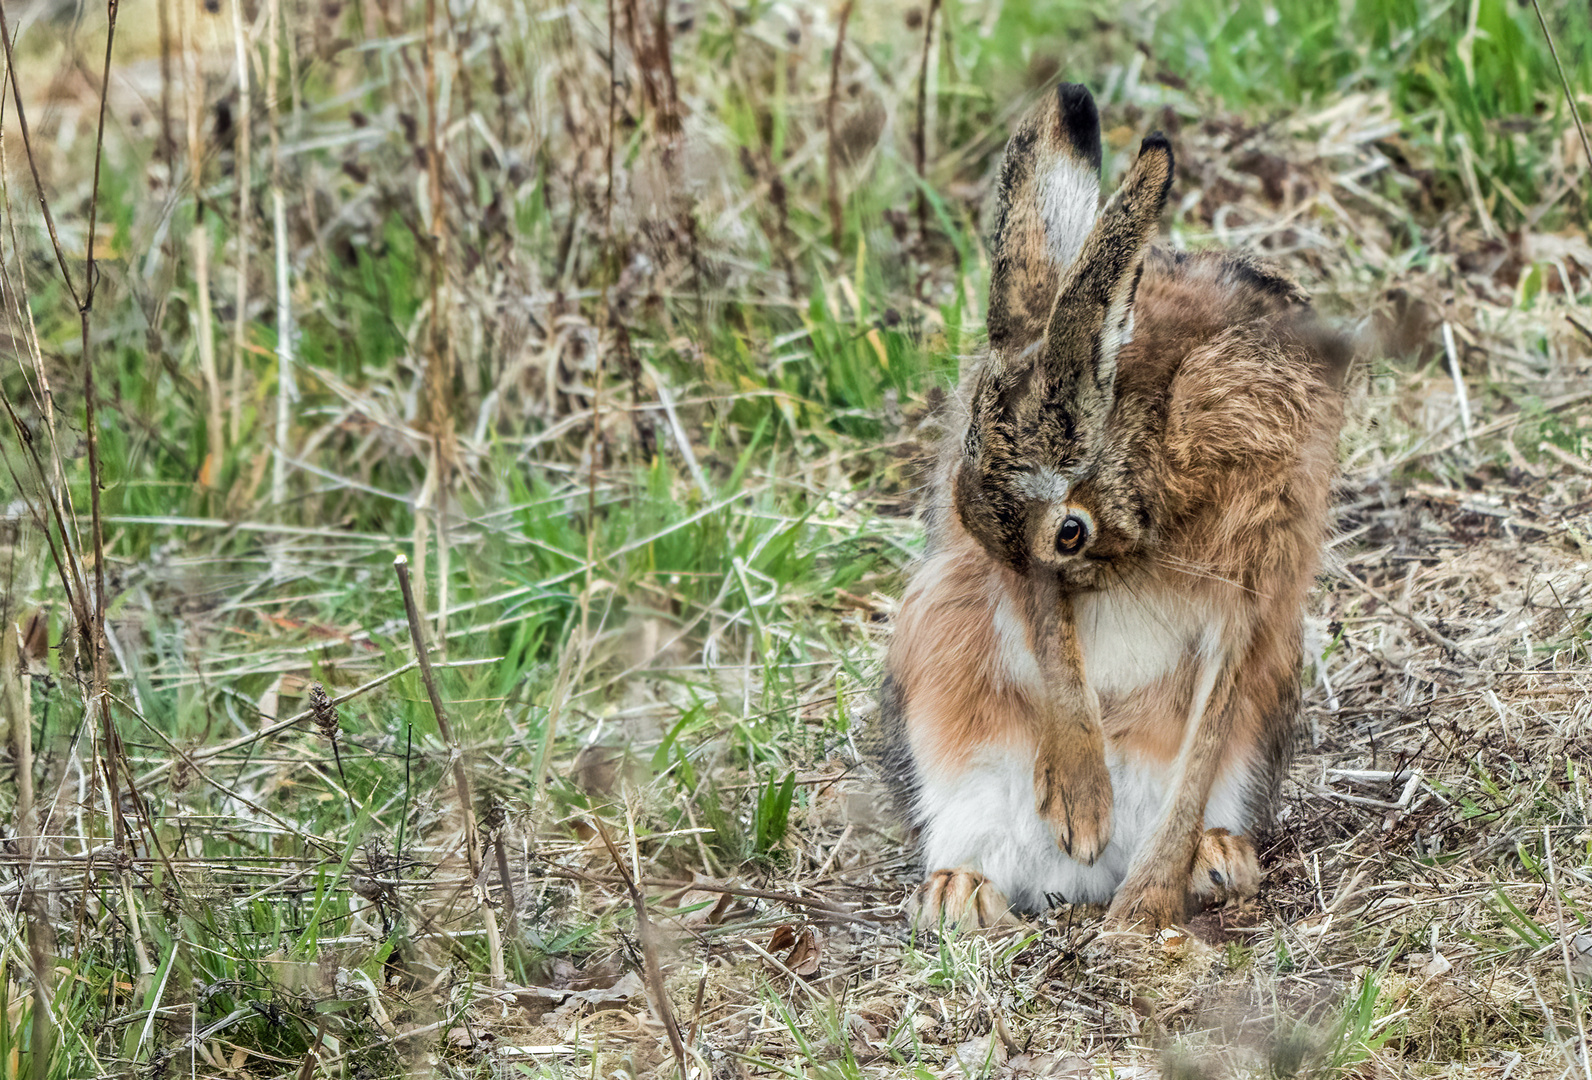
x=461 y=779
x=94 y=630
x=199 y=241
x=836 y=222
x=920 y=131
x=649 y=950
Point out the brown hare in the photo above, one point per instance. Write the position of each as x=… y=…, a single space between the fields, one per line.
x=1094 y=680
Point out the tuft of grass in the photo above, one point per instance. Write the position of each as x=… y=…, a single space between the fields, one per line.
x=1472 y=81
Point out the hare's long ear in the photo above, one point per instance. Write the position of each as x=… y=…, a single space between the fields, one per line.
x=1047 y=197
x=1093 y=316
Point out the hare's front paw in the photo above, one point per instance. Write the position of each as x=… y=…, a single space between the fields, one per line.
x=1225 y=868
x=1150 y=898
x=1074 y=796
x=959 y=898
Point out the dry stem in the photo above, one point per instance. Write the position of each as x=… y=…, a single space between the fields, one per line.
x=649 y=950
x=286 y=388
x=836 y=221
x=920 y=130
x=199 y=240
x=243 y=176
x=461 y=780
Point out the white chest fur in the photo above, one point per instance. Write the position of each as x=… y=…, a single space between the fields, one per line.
x=1132 y=638
x=983 y=816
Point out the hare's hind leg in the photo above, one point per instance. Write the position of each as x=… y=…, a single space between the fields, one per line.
x=1239 y=707
x=1225 y=868
x=1158 y=887
x=963 y=898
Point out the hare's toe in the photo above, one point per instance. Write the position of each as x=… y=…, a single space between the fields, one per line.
x=1076 y=802
x=959 y=898
x=1150 y=902
x=1225 y=869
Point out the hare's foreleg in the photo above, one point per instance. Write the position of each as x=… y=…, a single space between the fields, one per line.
x=1234 y=738
x=997 y=770
x=1072 y=785
x=1158 y=887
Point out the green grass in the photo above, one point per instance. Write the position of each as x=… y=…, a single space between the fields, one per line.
x=1471 y=70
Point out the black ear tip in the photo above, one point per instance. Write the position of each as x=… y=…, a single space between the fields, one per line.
x=1156 y=141
x=1071 y=95
x=1080 y=120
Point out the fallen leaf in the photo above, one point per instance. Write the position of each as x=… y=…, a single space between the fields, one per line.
x=783 y=937
x=803 y=959
x=703 y=904
x=801 y=948
x=1581 y=957
x=976 y=1055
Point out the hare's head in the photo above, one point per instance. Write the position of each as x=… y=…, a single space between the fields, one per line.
x=1037 y=485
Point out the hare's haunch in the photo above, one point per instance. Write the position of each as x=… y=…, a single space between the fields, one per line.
x=1093 y=684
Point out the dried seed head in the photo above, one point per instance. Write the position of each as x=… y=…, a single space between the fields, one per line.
x=181 y=774
x=325 y=712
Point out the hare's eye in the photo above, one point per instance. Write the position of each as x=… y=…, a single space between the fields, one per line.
x=1072 y=535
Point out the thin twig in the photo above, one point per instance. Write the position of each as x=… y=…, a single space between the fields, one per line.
x=1406 y=614
x=608 y=149
x=1552 y=405
x=461 y=780
x=206 y=753
x=286 y=386
x=1569 y=95
x=649 y=950
x=91 y=629
x=510 y=908
x=832 y=168
x=243 y=177
x=166 y=150
x=669 y=123
x=113 y=742
x=1458 y=376
x=33 y=164
x=199 y=243
x=1564 y=941
x=438 y=366
x=806 y=902
x=920 y=132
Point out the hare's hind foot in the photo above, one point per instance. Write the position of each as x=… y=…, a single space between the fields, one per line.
x=962 y=898
x=1225 y=869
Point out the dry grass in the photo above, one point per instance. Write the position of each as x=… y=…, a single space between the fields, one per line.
x=647 y=430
